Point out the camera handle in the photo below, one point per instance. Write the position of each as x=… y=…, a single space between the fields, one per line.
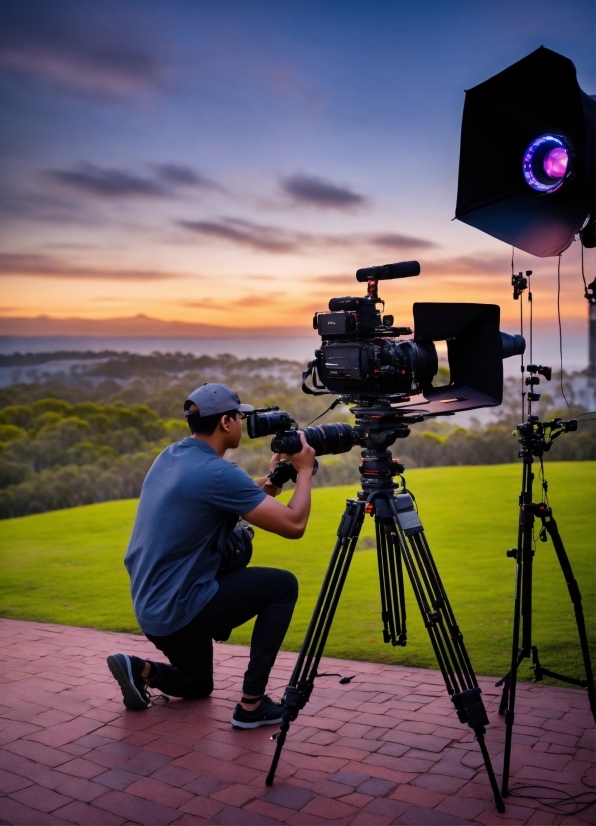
x=401 y=543
x=286 y=472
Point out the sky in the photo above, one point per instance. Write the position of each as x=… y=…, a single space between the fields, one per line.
x=233 y=164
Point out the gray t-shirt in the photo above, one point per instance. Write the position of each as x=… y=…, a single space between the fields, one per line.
x=189 y=496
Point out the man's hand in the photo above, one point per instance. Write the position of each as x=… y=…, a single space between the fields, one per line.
x=275 y=460
x=288 y=520
x=306 y=458
x=265 y=483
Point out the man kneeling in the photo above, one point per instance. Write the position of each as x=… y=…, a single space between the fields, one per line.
x=191 y=498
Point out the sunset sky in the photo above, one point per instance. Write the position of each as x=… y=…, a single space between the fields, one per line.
x=234 y=163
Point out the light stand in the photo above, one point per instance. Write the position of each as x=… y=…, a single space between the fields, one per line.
x=536 y=438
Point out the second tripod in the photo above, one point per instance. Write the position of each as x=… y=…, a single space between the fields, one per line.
x=401 y=544
x=536 y=438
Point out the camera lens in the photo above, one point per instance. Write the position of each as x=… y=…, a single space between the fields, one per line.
x=265 y=424
x=325 y=438
x=424 y=361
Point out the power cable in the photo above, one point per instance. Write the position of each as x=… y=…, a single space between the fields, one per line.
x=559 y=802
x=560 y=327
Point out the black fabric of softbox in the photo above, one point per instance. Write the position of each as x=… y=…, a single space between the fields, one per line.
x=502 y=116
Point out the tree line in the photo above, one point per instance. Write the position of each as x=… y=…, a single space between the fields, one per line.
x=92 y=436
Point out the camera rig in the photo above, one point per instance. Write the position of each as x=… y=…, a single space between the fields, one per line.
x=390 y=382
x=361 y=364
x=360 y=360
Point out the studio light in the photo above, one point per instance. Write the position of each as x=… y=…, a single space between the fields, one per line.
x=548 y=163
x=526 y=168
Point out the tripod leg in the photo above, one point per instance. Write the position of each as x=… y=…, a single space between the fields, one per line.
x=445 y=635
x=507 y=706
x=522 y=610
x=301 y=683
x=551 y=526
x=391 y=581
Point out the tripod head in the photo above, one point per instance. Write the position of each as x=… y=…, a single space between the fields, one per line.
x=377 y=426
x=536 y=437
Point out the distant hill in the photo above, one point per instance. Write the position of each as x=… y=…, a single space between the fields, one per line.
x=139 y=325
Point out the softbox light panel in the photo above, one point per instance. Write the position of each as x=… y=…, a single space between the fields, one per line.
x=537 y=96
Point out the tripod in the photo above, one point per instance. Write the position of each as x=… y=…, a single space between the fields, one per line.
x=535 y=438
x=401 y=543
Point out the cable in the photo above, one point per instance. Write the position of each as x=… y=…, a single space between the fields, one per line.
x=559 y=804
x=543 y=483
x=560 y=328
x=531 y=302
x=521 y=331
x=331 y=407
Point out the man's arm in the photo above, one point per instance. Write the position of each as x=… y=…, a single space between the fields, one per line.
x=265 y=483
x=288 y=520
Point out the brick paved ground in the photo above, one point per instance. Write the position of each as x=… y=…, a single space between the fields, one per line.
x=386 y=748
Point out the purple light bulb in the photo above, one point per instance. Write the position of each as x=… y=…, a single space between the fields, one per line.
x=555 y=162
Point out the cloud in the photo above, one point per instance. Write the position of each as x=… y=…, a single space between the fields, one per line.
x=393 y=240
x=177 y=175
x=307 y=190
x=44 y=266
x=248 y=234
x=279 y=240
x=42 y=206
x=82 y=48
x=333 y=279
x=469 y=265
x=462 y=268
x=266 y=301
x=108 y=182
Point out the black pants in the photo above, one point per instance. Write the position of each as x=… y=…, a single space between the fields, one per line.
x=267 y=593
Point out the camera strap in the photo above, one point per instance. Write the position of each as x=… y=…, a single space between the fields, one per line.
x=319 y=389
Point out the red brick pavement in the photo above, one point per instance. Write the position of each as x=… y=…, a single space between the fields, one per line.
x=386 y=748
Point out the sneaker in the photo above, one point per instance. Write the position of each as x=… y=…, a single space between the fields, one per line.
x=127 y=672
x=267 y=713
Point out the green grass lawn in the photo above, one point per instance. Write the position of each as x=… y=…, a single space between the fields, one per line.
x=66 y=567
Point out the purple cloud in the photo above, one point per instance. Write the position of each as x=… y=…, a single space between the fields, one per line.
x=107 y=183
x=307 y=190
x=77 y=47
x=279 y=240
x=46 y=266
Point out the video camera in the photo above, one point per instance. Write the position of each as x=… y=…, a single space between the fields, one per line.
x=359 y=360
x=361 y=363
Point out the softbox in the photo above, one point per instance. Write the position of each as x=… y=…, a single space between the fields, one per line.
x=526 y=166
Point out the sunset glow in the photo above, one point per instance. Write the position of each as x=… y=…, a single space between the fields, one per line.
x=233 y=166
